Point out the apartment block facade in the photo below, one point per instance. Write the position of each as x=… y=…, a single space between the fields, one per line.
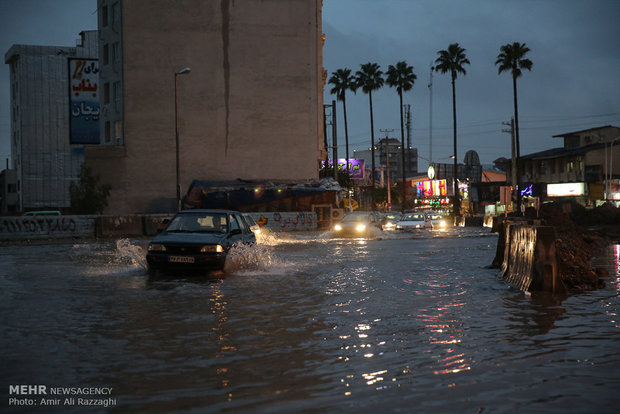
x=51 y=122
x=238 y=85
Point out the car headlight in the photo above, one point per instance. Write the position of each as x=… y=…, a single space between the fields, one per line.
x=442 y=223
x=360 y=227
x=389 y=225
x=212 y=248
x=337 y=227
x=156 y=247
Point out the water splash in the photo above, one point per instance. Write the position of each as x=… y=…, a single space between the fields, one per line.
x=127 y=252
x=249 y=257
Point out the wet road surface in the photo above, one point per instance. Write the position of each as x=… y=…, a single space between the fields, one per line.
x=307 y=323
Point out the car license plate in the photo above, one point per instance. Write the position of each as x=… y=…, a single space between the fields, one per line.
x=181 y=259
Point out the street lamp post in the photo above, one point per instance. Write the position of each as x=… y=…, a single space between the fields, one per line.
x=176 y=133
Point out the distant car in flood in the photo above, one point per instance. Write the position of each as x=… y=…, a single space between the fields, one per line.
x=390 y=219
x=414 y=221
x=253 y=226
x=357 y=224
x=198 y=240
x=438 y=221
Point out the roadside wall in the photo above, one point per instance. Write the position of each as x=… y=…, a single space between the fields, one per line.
x=61 y=227
x=46 y=227
x=293 y=221
x=527 y=254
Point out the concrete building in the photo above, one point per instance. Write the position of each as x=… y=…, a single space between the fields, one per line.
x=9 y=200
x=388 y=155
x=250 y=108
x=587 y=167
x=47 y=145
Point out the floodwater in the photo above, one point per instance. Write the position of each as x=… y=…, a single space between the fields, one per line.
x=303 y=323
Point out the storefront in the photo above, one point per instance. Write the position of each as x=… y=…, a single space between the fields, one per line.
x=432 y=195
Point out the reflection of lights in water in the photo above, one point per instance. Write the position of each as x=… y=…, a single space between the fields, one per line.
x=617 y=263
x=444 y=332
x=374 y=377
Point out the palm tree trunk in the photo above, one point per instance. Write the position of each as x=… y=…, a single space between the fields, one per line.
x=402 y=146
x=455 y=207
x=346 y=133
x=514 y=89
x=372 y=150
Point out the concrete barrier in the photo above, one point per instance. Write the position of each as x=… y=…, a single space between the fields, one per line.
x=152 y=224
x=529 y=260
x=286 y=221
x=119 y=226
x=46 y=227
x=13 y=228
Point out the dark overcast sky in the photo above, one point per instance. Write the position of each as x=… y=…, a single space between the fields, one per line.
x=574 y=83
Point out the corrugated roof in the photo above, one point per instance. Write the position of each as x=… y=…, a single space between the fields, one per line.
x=582 y=131
x=561 y=152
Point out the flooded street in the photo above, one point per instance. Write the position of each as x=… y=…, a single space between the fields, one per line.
x=307 y=323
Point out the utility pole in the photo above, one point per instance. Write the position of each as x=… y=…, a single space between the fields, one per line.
x=335 y=139
x=387 y=167
x=513 y=164
x=408 y=124
x=430 y=122
x=325 y=144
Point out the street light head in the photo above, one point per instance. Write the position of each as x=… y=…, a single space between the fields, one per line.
x=184 y=71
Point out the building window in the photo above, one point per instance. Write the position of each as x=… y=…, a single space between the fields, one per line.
x=116 y=13
x=104 y=16
x=117 y=96
x=116 y=52
x=570 y=166
x=106 y=93
x=107 y=131
x=117 y=130
x=106 y=54
x=542 y=168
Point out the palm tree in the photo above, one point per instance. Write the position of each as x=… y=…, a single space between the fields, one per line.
x=342 y=80
x=512 y=59
x=402 y=78
x=370 y=78
x=452 y=61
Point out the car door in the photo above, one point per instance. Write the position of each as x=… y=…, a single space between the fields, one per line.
x=238 y=229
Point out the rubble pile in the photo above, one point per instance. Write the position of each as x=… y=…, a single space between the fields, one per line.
x=575 y=247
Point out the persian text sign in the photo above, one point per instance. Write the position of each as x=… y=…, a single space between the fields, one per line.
x=83 y=101
x=356 y=167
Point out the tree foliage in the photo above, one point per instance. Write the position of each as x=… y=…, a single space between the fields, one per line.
x=88 y=195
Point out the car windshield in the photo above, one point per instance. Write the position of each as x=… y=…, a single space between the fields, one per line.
x=356 y=217
x=198 y=223
x=414 y=217
x=392 y=216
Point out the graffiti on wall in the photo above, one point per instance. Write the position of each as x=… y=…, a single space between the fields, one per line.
x=286 y=221
x=38 y=225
